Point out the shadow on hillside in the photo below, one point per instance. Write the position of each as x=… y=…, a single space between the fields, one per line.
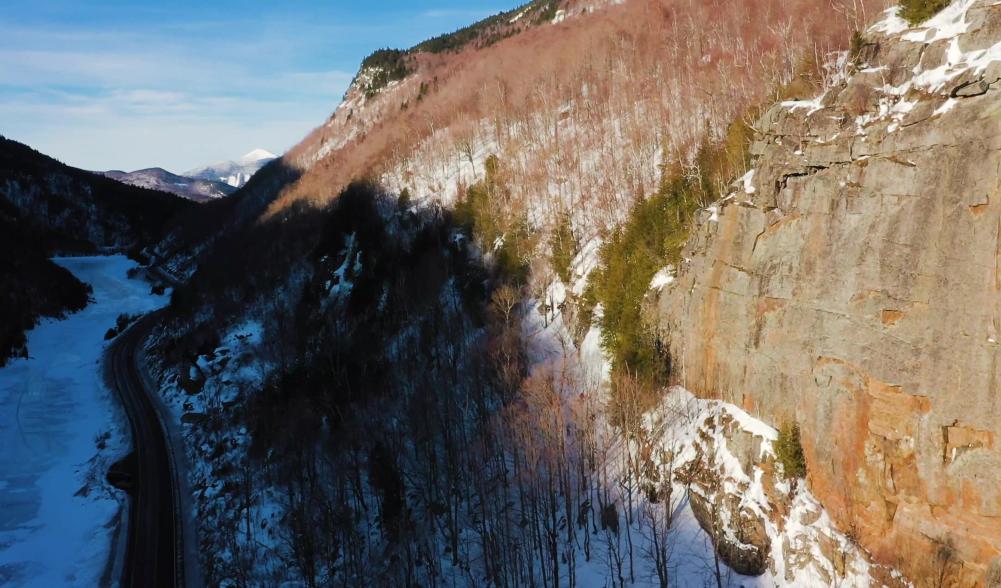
x=199 y=227
x=285 y=267
x=369 y=306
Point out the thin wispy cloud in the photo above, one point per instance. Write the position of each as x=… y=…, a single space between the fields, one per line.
x=116 y=84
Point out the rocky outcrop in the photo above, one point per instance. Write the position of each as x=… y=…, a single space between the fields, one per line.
x=853 y=283
x=718 y=496
x=745 y=554
x=760 y=523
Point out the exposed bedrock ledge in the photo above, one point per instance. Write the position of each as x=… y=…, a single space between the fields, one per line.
x=747 y=552
x=858 y=291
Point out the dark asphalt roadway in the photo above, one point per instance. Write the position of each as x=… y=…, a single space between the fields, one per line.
x=154 y=552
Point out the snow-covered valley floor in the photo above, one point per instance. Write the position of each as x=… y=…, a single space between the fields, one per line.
x=60 y=427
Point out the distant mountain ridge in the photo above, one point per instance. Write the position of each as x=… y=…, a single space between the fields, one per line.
x=233 y=173
x=157 y=178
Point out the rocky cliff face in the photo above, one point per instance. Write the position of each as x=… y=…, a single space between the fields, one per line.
x=852 y=282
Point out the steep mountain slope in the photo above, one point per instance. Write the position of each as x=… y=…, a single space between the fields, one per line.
x=156 y=178
x=47 y=208
x=196 y=232
x=582 y=110
x=851 y=283
x=389 y=385
x=233 y=173
x=574 y=99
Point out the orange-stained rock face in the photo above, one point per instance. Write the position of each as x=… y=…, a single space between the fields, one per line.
x=857 y=290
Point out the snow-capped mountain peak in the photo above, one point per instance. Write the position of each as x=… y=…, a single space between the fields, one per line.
x=257 y=155
x=235 y=173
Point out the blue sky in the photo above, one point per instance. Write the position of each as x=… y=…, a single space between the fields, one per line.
x=126 y=85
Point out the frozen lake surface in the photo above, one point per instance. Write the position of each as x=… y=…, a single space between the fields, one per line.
x=60 y=427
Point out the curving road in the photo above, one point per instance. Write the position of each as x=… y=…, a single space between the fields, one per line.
x=154 y=548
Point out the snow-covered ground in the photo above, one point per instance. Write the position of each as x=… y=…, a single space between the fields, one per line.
x=691 y=429
x=60 y=427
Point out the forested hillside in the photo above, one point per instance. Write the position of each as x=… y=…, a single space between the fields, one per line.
x=46 y=209
x=586 y=293
x=438 y=375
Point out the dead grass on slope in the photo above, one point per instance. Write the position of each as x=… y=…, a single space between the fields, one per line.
x=591 y=105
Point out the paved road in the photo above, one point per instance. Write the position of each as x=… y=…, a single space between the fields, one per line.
x=154 y=552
